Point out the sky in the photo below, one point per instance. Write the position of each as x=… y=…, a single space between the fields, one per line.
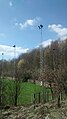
x=19 y=21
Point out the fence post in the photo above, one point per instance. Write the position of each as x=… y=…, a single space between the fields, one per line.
x=39 y=97
x=34 y=100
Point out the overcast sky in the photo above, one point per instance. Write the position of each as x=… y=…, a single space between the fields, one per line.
x=19 y=20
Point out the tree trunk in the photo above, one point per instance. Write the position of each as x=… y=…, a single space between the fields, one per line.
x=34 y=101
x=39 y=98
x=16 y=96
x=58 y=103
x=51 y=92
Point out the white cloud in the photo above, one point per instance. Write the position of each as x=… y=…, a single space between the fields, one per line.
x=10 y=4
x=28 y=23
x=47 y=42
x=59 y=29
x=9 y=51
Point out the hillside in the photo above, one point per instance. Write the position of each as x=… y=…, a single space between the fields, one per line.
x=42 y=111
x=28 y=69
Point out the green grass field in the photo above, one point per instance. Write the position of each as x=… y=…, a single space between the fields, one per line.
x=25 y=93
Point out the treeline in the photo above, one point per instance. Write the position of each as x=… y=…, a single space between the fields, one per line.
x=27 y=67
x=54 y=67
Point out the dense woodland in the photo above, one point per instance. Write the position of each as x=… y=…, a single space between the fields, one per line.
x=27 y=67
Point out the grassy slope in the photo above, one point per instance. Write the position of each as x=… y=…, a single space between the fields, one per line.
x=25 y=95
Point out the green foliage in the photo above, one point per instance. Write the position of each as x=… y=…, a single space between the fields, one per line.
x=8 y=92
x=26 y=76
